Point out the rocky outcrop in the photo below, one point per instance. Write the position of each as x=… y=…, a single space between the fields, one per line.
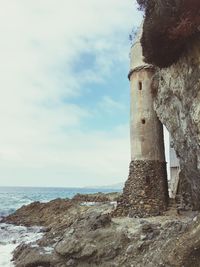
x=90 y=237
x=54 y=212
x=177 y=104
x=42 y=214
x=97 y=197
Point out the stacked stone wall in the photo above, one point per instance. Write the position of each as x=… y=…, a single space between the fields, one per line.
x=146 y=190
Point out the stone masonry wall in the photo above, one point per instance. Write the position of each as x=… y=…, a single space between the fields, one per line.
x=146 y=190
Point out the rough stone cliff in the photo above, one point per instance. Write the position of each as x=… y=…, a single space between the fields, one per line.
x=171 y=42
x=177 y=104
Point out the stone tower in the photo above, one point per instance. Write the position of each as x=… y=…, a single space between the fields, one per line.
x=146 y=190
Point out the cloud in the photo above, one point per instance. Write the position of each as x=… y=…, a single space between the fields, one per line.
x=43 y=139
x=110 y=105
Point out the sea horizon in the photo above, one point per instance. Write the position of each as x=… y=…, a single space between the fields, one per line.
x=115 y=186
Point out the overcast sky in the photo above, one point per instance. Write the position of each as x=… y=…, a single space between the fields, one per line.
x=64 y=105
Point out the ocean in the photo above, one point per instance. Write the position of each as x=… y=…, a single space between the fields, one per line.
x=12 y=198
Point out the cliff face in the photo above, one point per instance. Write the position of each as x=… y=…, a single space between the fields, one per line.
x=171 y=42
x=177 y=104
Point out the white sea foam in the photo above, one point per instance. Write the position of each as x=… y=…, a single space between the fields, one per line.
x=11 y=236
x=6 y=255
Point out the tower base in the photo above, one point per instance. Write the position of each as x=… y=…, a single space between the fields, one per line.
x=146 y=190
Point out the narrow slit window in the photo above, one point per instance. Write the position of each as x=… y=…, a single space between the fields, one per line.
x=140 y=85
x=143 y=121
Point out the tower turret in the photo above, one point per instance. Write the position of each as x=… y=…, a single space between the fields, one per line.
x=146 y=190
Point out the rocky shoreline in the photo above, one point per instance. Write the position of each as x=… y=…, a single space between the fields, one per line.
x=77 y=234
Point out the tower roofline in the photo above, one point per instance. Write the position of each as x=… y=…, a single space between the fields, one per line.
x=136 y=54
x=136 y=69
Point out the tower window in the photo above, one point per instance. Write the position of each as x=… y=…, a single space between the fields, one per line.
x=143 y=121
x=140 y=85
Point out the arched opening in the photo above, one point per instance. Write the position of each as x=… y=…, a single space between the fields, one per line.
x=143 y=121
x=173 y=167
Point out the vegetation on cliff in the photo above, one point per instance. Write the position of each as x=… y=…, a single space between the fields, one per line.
x=168 y=27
